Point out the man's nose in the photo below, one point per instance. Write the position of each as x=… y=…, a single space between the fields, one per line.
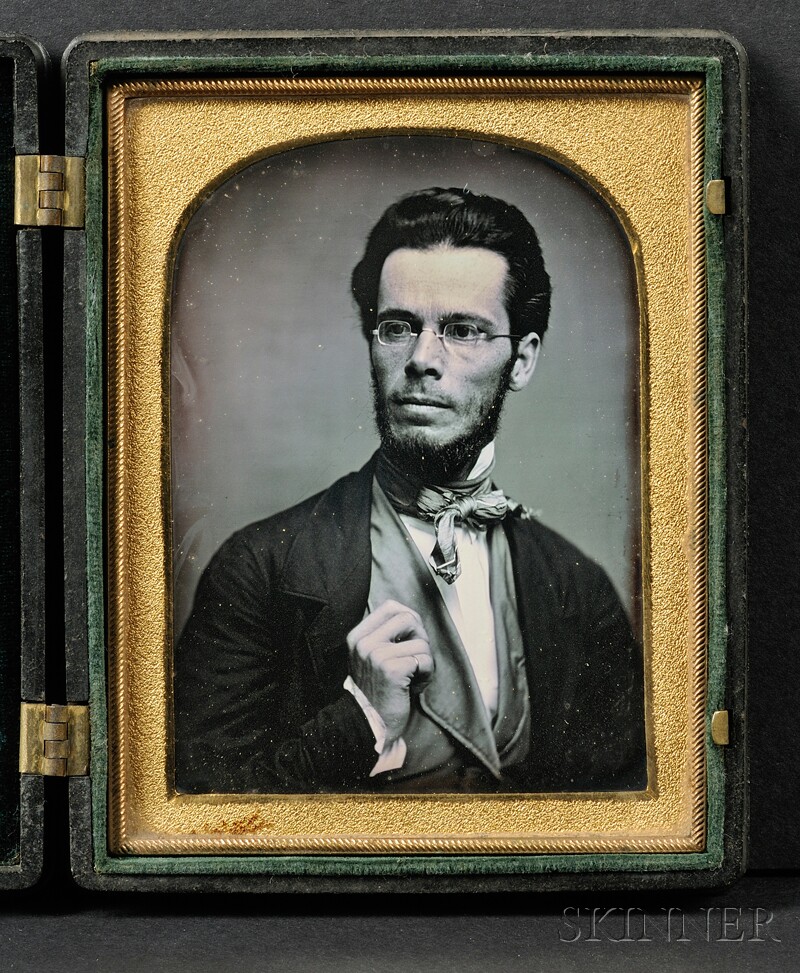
x=427 y=354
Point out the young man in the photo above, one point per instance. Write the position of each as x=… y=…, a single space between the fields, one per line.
x=411 y=628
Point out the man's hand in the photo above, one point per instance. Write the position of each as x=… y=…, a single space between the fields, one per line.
x=390 y=657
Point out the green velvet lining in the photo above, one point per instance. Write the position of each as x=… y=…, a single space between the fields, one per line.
x=310 y=865
x=9 y=485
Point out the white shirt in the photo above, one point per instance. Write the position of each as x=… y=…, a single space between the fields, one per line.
x=468 y=601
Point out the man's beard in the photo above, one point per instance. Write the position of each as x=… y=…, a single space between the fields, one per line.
x=440 y=463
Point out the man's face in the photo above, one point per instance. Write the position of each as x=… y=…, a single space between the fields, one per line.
x=436 y=406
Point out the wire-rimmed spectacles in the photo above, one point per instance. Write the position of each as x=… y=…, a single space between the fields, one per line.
x=455 y=335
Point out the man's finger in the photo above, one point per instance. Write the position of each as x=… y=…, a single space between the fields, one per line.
x=382 y=614
x=413 y=648
x=411 y=667
x=425 y=667
x=399 y=628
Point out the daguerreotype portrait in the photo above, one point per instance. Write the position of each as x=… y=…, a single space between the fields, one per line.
x=413 y=627
x=407 y=466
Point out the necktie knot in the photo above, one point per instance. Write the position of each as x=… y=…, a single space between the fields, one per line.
x=461 y=509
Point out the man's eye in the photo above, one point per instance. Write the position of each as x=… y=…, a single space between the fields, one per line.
x=396 y=329
x=462 y=331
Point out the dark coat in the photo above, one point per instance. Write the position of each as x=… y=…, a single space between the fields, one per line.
x=258 y=671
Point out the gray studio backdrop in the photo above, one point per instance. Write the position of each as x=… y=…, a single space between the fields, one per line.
x=271 y=398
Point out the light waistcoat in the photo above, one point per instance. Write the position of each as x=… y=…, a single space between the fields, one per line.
x=452 y=742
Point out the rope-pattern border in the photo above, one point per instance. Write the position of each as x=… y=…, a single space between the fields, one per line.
x=117 y=505
x=521 y=844
x=258 y=87
x=119 y=810
x=698 y=483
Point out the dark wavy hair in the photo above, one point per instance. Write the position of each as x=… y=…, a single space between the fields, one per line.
x=459 y=218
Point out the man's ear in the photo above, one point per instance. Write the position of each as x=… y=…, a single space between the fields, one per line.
x=527 y=356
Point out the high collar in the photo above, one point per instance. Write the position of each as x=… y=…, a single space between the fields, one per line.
x=483 y=462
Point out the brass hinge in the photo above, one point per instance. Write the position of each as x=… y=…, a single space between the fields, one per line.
x=54 y=740
x=48 y=190
x=716 y=198
x=720 y=728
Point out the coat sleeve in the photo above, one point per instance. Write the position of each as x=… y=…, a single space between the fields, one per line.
x=250 y=714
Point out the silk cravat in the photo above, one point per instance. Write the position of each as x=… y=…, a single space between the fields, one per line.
x=470 y=502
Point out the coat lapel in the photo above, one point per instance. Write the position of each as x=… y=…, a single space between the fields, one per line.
x=527 y=581
x=327 y=572
x=551 y=639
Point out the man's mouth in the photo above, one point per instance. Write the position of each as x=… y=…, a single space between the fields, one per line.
x=421 y=401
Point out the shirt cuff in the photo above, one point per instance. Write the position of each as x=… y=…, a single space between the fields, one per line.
x=391 y=757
